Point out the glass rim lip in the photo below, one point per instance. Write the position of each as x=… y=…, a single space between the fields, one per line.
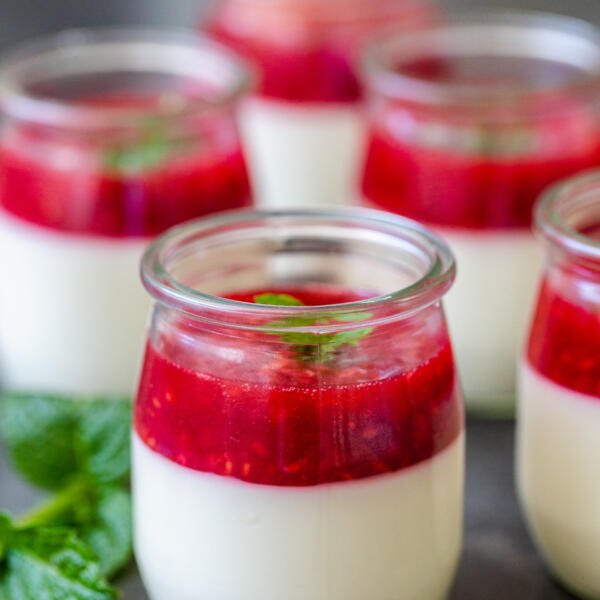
x=367 y=6
x=16 y=102
x=427 y=289
x=550 y=221
x=377 y=75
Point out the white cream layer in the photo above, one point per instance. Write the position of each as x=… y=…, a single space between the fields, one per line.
x=203 y=537
x=72 y=311
x=489 y=309
x=303 y=154
x=558 y=471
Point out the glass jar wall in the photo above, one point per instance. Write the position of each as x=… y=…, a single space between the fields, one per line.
x=298 y=426
x=559 y=392
x=109 y=138
x=469 y=122
x=303 y=130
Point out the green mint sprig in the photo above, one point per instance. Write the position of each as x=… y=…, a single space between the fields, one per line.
x=50 y=563
x=154 y=146
x=79 y=450
x=314 y=347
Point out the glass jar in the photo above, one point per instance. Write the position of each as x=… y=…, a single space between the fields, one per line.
x=109 y=138
x=298 y=425
x=469 y=122
x=304 y=131
x=559 y=392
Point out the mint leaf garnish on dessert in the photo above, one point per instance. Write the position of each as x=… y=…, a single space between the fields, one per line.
x=78 y=448
x=150 y=150
x=278 y=300
x=314 y=347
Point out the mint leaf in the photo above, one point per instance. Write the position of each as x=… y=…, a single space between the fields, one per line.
x=52 y=439
x=6 y=529
x=52 y=564
x=314 y=347
x=100 y=514
x=102 y=440
x=108 y=530
x=333 y=342
x=154 y=146
x=278 y=300
x=39 y=433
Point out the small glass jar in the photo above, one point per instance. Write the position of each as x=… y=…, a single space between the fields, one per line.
x=304 y=130
x=469 y=122
x=559 y=391
x=308 y=449
x=109 y=138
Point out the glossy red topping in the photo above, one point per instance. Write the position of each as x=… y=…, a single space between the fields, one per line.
x=307 y=51
x=73 y=185
x=564 y=343
x=449 y=168
x=88 y=201
x=465 y=190
x=287 y=423
x=303 y=75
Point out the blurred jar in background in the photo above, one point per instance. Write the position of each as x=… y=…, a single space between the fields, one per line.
x=109 y=139
x=469 y=122
x=303 y=131
x=559 y=395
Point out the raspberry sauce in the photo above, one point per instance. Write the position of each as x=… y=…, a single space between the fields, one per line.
x=67 y=185
x=564 y=343
x=288 y=423
x=450 y=168
x=313 y=60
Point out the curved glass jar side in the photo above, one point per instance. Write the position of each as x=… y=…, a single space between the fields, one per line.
x=351 y=396
x=109 y=137
x=559 y=392
x=305 y=50
x=102 y=126
x=484 y=113
x=304 y=130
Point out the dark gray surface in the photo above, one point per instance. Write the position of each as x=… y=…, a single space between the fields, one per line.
x=499 y=562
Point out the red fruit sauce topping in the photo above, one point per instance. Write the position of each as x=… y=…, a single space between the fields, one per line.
x=493 y=181
x=313 y=59
x=68 y=185
x=299 y=75
x=564 y=343
x=287 y=423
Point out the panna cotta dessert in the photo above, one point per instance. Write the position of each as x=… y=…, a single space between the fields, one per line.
x=305 y=434
x=559 y=391
x=303 y=129
x=109 y=139
x=469 y=122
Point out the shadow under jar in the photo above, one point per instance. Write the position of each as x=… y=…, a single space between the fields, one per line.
x=469 y=122
x=304 y=130
x=312 y=449
x=109 y=138
x=559 y=392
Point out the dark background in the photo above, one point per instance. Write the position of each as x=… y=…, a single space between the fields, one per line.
x=21 y=19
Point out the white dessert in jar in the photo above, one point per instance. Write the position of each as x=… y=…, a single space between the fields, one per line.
x=93 y=165
x=304 y=128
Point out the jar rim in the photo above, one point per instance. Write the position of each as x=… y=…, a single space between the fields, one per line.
x=426 y=290
x=117 y=49
x=325 y=11
x=560 y=208
x=484 y=32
